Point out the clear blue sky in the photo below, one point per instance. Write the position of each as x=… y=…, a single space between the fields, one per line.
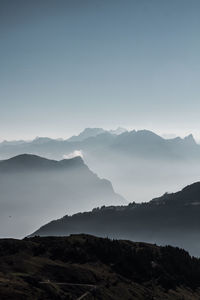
x=70 y=64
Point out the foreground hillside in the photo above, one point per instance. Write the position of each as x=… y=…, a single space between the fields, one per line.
x=33 y=190
x=86 y=267
x=171 y=219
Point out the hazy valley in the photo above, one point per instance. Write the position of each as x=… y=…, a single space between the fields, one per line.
x=172 y=219
x=34 y=190
x=140 y=164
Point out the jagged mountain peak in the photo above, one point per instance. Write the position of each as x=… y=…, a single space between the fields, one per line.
x=86 y=133
x=190 y=139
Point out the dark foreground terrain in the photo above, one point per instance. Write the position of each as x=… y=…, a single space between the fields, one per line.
x=86 y=267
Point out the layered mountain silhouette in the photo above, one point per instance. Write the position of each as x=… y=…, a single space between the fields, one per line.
x=141 y=143
x=35 y=189
x=171 y=219
x=130 y=160
x=86 y=133
x=93 y=132
x=87 y=267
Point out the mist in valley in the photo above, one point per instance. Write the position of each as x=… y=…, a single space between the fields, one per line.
x=140 y=164
x=34 y=192
x=99 y=137
x=141 y=180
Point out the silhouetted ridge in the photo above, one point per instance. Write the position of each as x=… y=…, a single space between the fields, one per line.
x=190 y=139
x=192 y=188
x=169 y=219
x=34 y=162
x=188 y=195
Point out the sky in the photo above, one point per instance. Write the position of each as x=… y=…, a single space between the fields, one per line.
x=70 y=64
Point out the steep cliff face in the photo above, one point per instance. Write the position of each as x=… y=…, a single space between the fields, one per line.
x=33 y=190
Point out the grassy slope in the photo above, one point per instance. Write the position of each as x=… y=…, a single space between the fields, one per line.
x=114 y=269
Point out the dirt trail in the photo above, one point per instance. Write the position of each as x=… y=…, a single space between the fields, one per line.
x=92 y=286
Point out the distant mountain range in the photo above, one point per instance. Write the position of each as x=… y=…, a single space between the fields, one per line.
x=84 y=135
x=131 y=160
x=87 y=267
x=34 y=190
x=141 y=144
x=171 y=219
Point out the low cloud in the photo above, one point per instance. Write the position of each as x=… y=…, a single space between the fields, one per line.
x=73 y=154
